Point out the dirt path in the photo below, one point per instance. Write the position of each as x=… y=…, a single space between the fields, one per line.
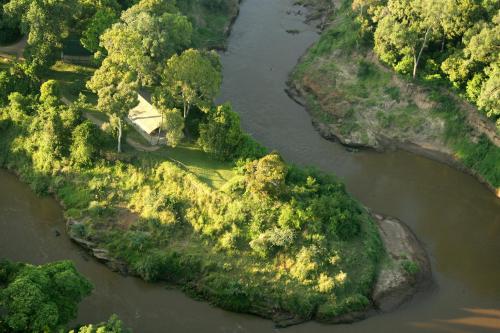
x=100 y=123
x=16 y=49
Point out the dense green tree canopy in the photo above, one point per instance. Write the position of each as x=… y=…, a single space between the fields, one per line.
x=267 y=175
x=146 y=37
x=193 y=79
x=173 y=124
x=221 y=134
x=102 y=20
x=457 y=39
x=47 y=23
x=39 y=298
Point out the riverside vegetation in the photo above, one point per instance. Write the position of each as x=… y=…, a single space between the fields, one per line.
x=403 y=73
x=44 y=298
x=275 y=240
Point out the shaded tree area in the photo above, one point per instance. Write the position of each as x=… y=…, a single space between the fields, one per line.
x=39 y=298
x=44 y=298
x=445 y=40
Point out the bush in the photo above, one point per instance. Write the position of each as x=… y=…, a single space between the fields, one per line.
x=267 y=175
x=221 y=135
x=173 y=126
x=83 y=148
x=410 y=267
x=39 y=298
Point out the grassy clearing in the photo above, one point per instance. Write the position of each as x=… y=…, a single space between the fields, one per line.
x=72 y=80
x=188 y=155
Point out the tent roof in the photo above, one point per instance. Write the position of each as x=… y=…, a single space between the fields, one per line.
x=145 y=116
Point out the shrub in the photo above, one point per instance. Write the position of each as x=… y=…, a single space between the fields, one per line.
x=173 y=126
x=221 y=135
x=267 y=175
x=410 y=267
x=83 y=147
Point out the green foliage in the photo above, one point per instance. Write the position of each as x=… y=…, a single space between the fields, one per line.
x=221 y=136
x=100 y=22
x=83 y=147
x=45 y=34
x=116 y=88
x=456 y=39
x=482 y=157
x=192 y=79
x=50 y=94
x=113 y=325
x=9 y=26
x=18 y=78
x=173 y=124
x=148 y=34
x=267 y=175
x=410 y=267
x=39 y=298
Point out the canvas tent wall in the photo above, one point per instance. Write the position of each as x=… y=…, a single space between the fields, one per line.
x=146 y=119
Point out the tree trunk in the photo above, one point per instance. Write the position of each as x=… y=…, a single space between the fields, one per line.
x=159 y=129
x=186 y=112
x=119 y=135
x=416 y=59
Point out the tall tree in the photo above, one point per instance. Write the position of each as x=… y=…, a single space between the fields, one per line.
x=146 y=37
x=173 y=124
x=116 y=87
x=192 y=78
x=405 y=30
x=47 y=23
x=221 y=134
x=102 y=20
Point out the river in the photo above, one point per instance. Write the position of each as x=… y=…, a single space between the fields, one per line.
x=456 y=217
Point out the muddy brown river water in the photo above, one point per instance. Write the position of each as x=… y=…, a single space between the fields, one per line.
x=456 y=217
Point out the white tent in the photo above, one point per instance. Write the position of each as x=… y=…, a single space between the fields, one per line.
x=145 y=116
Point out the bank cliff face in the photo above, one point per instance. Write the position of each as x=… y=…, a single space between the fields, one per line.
x=408 y=269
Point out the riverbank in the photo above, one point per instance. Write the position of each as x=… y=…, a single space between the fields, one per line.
x=213 y=22
x=353 y=99
x=404 y=271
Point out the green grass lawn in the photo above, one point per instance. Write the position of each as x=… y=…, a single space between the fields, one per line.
x=192 y=158
x=72 y=79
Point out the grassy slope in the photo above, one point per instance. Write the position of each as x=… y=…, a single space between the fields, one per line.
x=358 y=100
